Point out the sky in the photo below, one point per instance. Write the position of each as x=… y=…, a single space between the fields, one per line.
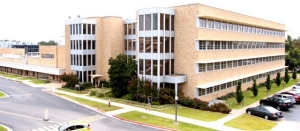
x=43 y=20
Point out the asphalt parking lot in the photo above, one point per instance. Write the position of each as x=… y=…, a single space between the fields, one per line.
x=293 y=114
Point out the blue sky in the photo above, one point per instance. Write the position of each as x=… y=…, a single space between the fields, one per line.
x=37 y=20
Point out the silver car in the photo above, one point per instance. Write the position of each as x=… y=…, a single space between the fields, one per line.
x=293 y=100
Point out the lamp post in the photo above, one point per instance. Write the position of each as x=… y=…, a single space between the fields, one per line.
x=176 y=98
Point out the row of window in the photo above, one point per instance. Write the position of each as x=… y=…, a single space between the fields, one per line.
x=217 y=45
x=129 y=45
x=202 y=92
x=129 y=29
x=76 y=29
x=83 y=60
x=83 y=44
x=150 y=22
x=203 y=67
x=85 y=76
x=48 y=56
x=222 y=25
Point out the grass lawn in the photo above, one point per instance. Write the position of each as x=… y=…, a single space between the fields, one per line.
x=73 y=91
x=262 y=93
x=101 y=106
x=2 y=128
x=163 y=122
x=248 y=122
x=38 y=81
x=194 y=113
x=1 y=95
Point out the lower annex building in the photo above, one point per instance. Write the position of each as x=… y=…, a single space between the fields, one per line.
x=200 y=49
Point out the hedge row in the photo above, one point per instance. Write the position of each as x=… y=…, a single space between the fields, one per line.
x=203 y=105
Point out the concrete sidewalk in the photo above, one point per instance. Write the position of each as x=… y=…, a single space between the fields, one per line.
x=217 y=125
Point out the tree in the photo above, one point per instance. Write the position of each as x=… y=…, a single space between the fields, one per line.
x=120 y=73
x=286 y=76
x=254 y=88
x=239 y=94
x=70 y=79
x=278 y=80
x=268 y=84
x=51 y=42
x=294 y=76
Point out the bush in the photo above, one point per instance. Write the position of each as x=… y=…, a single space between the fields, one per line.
x=166 y=96
x=86 y=85
x=100 y=94
x=93 y=92
x=105 y=83
x=155 y=103
x=108 y=94
x=220 y=107
x=202 y=105
x=127 y=97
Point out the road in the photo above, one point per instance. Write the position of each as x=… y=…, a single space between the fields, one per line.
x=25 y=109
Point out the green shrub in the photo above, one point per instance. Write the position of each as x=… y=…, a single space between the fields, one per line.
x=202 y=105
x=100 y=94
x=108 y=94
x=155 y=103
x=93 y=92
x=105 y=83
x=220 y=107
x=127 y=97
x=86 y=85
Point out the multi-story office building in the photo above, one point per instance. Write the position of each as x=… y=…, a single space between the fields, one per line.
x=200 y=49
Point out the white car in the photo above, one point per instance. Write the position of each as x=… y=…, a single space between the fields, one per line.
x=296 y=86
x=74 y=127
x=286 y=96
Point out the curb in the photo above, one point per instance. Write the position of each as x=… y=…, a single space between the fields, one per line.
x=78 y=103
x=144 y=124
x=5 y=95
x=7 y=128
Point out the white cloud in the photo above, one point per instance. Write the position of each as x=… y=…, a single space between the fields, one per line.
x=36 y=20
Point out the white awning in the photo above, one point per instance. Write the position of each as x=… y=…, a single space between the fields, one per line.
x=207 y=85
x=35 y=68
x=96 y=75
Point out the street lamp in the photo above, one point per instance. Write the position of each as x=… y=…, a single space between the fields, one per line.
x=176 y=98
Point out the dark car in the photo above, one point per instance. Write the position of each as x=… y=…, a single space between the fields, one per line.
x=266 y=112
x=296 y=95
x=278 y=103
x=286 y=96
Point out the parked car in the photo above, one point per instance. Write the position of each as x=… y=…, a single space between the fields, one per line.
x=296 y=86
x=266 y=112
x=296 y=95
x=286 y=96
x=74 y=127
x=278 y=103
x=296 y=90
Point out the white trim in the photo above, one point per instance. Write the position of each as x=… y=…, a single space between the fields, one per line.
x=40 y=69
x=207 y=85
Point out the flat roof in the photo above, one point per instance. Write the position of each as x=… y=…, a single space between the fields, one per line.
x=35 y=68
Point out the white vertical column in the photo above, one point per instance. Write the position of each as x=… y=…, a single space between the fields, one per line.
x=151 y=44
x=144 y=45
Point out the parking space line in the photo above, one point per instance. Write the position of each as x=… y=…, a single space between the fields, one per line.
x=20 y=90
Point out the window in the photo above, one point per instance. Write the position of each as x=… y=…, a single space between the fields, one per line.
x=229 y=45
x=223 y=65
x=245 y=62
x=210 y=23
x=217 y=24
x=229 y=64
x=230 y=27
x=217 y=66
x=209 y=90
x=223 y=86
x=223 y=44
x=202 y=67
x=202 y=22
x=210 y=45
x=148 y=22
x=201 y=92
x=228 y=84
x=202 y=45
x=234 y=63
x=216 y=88
x=210 y=66
x=48 y=56
x=141 y=23
x=240 y=62
x=235 y=27
x=224 y=26
x=217 y=45
x=235 y=45
x=155 y=21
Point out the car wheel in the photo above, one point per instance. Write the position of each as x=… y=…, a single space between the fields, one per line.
x=278 y=108
x=249 y=112
x=266 y=117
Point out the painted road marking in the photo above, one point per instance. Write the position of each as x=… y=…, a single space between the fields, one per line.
x=24 y=116
x=20 y=90
x=83 y=120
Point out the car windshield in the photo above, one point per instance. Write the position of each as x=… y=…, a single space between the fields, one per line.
x=271 y=109
x=63 y=127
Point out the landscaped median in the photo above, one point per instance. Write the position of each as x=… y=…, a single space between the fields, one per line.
x=98 y=105
x=262 y=93
x=248 y=122
x=144 y=118
x=2 y=95
x=18 y=77
x=2 y=128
